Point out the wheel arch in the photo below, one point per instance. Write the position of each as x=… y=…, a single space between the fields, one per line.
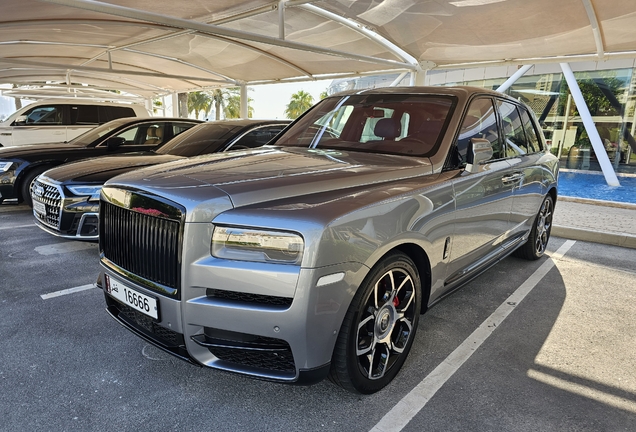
x=422 y=263
x=27 y=171
x=553 y=193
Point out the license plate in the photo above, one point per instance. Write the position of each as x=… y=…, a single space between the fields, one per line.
x=141 y=302
x=39 y=207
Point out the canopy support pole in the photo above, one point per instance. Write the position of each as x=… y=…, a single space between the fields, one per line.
x=588 y=122
x=513 y=79
x=244 y=101
x=418 y=76
x=175 y=105
x=281 y=19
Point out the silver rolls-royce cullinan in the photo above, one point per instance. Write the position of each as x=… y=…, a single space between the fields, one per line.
x=315 y=256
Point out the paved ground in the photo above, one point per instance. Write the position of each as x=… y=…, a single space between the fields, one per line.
x=601 y=222
x=485 y=359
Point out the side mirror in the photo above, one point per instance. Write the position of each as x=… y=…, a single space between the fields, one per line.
x=20 y=120
x=113 y=143
x=479 y=150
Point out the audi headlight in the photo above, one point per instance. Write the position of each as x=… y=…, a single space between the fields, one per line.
x=91 y=191
x=257 y=245
x=5 y=166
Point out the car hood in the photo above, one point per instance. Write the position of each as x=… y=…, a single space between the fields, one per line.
x=98 y=170
x=16 y=151
x=270 y=173
x=25 y=151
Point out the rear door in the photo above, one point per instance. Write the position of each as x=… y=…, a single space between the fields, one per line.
x=524 y=153
x=82 y=118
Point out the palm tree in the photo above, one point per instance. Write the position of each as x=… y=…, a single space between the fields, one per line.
x=218 y=99
x=300 y=102
x=323 y=95
x=199 y=101
x=228 y=101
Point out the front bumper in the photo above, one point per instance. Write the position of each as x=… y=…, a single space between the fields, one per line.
x=220 y=321
x=73 y=218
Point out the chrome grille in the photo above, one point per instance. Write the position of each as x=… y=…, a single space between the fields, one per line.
x=50 y=196
x=143 y=245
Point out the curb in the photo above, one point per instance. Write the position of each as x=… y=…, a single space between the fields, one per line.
x=608 y=238
x=628 y=206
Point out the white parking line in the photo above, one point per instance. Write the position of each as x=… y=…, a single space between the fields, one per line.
x=58 y=248
x=17 y=226
x=67 y=291
x=402 y=413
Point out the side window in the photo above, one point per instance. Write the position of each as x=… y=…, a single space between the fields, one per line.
x=108 y=113
x=533 y=140
x=514 y=135
x=480 y=122
x=45 y=115
x=84 y=115
x=177 y=128
x=256 y=138
x=149 y=134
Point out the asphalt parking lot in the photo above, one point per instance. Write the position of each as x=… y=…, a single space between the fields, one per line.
x=485 y=359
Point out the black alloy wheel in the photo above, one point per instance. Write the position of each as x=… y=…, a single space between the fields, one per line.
x=379 y=328
x=540 y=235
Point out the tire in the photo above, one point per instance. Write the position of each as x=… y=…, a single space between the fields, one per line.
x=379 y=327
x=540 y=234
x=25 y=188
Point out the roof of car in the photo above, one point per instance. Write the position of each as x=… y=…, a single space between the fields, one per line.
x=438 y=90
x=247 y=122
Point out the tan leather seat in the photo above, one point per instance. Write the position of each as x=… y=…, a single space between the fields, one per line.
x=154 y=135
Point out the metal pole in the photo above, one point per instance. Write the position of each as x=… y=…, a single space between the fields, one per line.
x=244 y=101
x=513 y=79
x=281 y=19
x=588 y=122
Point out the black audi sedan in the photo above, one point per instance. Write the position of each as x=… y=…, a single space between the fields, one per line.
x=66 y=198
x=20 y=165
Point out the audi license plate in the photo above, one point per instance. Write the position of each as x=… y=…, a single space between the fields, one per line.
x=131 y=297
x=39 y=207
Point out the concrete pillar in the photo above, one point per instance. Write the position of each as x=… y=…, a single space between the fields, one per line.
x=175 y=105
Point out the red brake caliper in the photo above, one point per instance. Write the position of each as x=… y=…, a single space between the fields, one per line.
x=396 y=302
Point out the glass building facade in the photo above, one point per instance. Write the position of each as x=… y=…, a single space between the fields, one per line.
x=609 y=89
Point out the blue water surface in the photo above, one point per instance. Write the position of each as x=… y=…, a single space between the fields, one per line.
x=593 y=186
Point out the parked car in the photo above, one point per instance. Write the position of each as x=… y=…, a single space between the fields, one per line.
x=314 y=257
x=19 y=166
x=61 y=120
x=66 y=198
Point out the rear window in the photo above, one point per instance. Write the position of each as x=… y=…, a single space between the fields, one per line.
x=203 y=138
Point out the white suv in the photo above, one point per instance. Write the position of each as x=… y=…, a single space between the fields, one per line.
x=61 y=120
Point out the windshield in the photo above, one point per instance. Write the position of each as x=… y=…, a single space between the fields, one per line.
x=204 y=137
x=406 y=124
x=96 y=133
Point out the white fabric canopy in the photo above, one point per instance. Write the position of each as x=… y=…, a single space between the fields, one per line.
x=148 y=48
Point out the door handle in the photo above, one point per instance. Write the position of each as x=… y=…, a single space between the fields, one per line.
x=513 y=178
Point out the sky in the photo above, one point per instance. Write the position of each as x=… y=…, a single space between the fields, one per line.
x=269 y=100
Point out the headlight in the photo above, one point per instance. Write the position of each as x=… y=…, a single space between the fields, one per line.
x=5 y=166
x=257 y=245
x=91 y=191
